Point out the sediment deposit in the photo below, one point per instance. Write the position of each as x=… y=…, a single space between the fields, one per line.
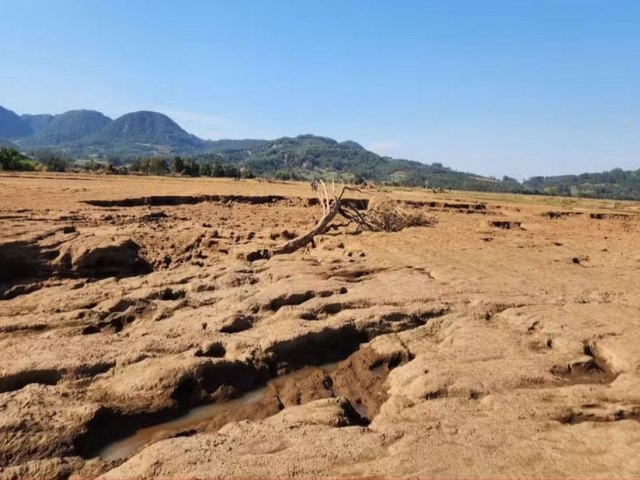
x=500 y=341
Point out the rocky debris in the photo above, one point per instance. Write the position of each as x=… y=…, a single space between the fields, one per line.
x=262 y=254
x=20 y=260
x=610 y=216
x=214 y=350
x=505 y=224
x=152 y=384
x=17 y=290
x=40 y=422
x=153 y=216
x=57 y=467
x=275 y=234
x=238 y=322
x=580 y=260
x=101 y=256
x=16 y=381
x=553 y=215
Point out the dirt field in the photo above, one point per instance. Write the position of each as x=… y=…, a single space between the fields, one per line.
x=138 y=340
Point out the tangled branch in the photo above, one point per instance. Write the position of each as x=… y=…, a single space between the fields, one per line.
x=382 y=215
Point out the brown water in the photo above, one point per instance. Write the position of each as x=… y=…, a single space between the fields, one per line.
x=126 y=447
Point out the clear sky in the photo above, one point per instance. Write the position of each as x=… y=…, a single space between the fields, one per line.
x=515 y=87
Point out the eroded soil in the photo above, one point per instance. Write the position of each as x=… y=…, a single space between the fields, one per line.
x=503 y=341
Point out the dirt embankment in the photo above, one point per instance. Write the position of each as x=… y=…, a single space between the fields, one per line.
x=472 y=348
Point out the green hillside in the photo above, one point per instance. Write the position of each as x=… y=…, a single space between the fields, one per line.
x=37 y=122
x=142 y=133
x=309 y=156
x=12 y=126
x=67 y=129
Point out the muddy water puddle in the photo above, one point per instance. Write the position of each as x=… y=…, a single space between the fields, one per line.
x=187 y=423
x=359 y=378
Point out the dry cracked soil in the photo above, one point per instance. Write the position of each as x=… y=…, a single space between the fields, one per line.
x=143 y=334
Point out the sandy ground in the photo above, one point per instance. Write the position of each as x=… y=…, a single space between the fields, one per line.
x=501 y=342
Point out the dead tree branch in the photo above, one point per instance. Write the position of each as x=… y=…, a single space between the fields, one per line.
x=321 y=227
x=382 y=214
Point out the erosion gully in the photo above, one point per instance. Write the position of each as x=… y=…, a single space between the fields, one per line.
x=333 y=363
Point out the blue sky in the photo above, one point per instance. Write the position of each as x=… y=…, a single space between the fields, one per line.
x=515 y=87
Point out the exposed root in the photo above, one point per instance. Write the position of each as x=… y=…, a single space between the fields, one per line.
x=383 y=214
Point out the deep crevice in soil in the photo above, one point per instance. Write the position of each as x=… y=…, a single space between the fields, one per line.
x=287 y=374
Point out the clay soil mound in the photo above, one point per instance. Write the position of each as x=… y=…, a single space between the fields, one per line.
x=100 y=256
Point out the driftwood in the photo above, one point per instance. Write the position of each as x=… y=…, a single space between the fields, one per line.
x=330 y=211
x=383 y=214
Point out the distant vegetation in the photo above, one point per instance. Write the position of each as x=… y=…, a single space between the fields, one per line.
x=615 y=184
x=187 y=167
x=11 y=160
x=151 y=143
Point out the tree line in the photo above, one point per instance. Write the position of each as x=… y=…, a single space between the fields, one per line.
x=187 y=167
x=50 y=161
x=616 y=184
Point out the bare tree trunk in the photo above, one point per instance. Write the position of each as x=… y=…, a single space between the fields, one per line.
x=299 y=242
x=386 y=217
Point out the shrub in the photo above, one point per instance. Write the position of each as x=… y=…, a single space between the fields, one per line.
x=53 y=162
x=12 y=160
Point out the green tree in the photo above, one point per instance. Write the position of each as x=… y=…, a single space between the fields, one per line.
x=158 y=166
x=205 y=170
x=191 y=167
x=10 y=159
x=217 y=170
x=177 y=165
x=91 y=166
x=231 y=171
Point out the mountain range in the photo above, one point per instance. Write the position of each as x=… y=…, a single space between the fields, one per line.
x=83 y=134
x=88 y=132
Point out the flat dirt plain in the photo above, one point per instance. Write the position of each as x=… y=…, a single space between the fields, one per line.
x=138 y=340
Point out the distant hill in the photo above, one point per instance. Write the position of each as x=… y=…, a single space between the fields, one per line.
x=65 y=130
x=7 y=144
x=352 y=144
x=309 y=153
x=82 y=133
x=229 y=145
x=37 y=122
x=12 y=126
x=310 y=156
x=145 y=133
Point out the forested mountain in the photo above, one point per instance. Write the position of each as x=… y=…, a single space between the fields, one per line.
x=65 y=130
x=88 y=133
x=143 y=133
x=309 y=156
x=228 y=145
x=11 y=125
x=37 y=122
